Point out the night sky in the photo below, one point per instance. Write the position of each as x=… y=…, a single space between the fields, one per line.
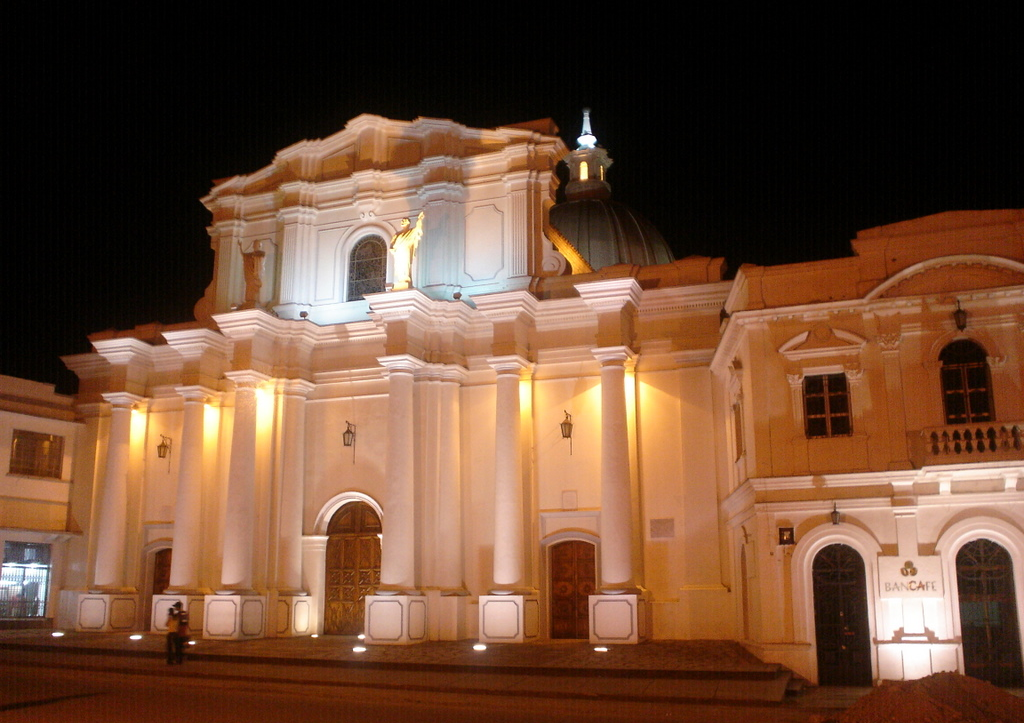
x=755 y=139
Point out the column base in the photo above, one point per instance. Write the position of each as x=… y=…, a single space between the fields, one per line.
x=193 y=603
x=294 y=616
x=234 y=617
x=619 y=619
x=395 y=619
x=509 y=618
x=100 y=612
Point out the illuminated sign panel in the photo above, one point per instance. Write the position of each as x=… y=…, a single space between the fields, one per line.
x=915 y=578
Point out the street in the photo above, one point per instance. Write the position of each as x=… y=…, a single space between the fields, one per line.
x=32 y=690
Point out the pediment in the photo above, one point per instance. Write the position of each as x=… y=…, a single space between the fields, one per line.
x=951 y=274
x=822 y=341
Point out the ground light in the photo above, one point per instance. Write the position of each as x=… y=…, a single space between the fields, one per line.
x=136 y=636
x=314 y=635
x=57 y=633
x=191 y=642
x=600 y=649
x=479 y=646
x=361 y=636
x=359 y=649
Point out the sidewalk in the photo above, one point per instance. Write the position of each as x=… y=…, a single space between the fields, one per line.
x=664 y=671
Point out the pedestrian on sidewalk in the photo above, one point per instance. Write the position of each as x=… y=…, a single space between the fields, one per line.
x=183 y=635
x=172 y=632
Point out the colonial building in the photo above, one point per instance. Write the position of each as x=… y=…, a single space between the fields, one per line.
x=420 y=402
x=39 y=438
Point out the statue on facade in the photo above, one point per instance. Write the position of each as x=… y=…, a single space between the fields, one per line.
x=403 y=249
x=252 y=263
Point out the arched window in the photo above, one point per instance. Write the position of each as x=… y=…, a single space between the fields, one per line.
x=367 y=267
x=966 y=385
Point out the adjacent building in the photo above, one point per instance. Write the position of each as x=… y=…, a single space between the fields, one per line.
x=422 y=401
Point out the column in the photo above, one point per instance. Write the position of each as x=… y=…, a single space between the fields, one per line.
x=111 y=604
x=189 y=504
x=397 y=613
x=509 y=555
x=619 y=613
x=450 y=554
x=510 y=613
x=292 y=600
x=112 y=523
x=184 y=583
x=398 y=543
x=237 y=612
x=237 y=564
x=616 y=522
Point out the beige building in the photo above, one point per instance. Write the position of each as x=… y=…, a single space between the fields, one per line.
x=419 y=402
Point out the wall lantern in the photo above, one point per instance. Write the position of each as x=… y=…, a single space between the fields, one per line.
x=834 y=514
x=163 y=450
x=787 y=536
x=960 y=317
x=566 y=426
x=348 y=438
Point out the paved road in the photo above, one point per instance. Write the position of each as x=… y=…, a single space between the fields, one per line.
x=33 y=689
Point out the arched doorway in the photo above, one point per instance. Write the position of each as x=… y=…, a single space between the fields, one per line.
x=989 y=625
x=353 y=567
x=841 y=617
x=161 y=571
x=573 y=581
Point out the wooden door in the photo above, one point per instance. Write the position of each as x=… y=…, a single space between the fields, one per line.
x=573 y=581
x=988 y=613
x=841 y=625
x=353 y=567
x=161 y=571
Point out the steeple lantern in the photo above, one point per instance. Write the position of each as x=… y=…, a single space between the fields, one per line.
x=588 y=166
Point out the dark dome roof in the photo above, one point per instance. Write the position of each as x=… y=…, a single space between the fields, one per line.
x=607 y=232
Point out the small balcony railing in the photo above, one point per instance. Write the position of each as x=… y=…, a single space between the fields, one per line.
x=985 y=442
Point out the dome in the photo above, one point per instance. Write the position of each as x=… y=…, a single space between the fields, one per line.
x=604 y=232
x=607 y=232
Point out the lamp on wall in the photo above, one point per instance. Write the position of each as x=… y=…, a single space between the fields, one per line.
x=959 y=317
x=163 y=450
x=834 y=514
x=566 y=426
x=348 y=438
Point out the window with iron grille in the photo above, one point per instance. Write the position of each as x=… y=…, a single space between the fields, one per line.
x=24 y=580
x=966 y=384
x=36 y=454
x=367 y=267
x=827 y=406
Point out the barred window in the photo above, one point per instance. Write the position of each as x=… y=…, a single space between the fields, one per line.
x=36 y=454
x=827 y=406
x=966 y=384
x=24 y=580
x=367 y=267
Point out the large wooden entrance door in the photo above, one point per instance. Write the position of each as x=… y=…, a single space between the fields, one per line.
x=841 y=617
x=353 y=567
x=161 y=571
x=988 y=613
x=573 y=581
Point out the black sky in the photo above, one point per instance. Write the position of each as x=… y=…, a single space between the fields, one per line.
x=762 y=139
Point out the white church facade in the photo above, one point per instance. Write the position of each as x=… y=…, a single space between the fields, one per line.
x=421 y=402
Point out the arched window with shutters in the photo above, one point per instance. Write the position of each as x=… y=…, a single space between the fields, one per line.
x=966 y=383
x=367 y=267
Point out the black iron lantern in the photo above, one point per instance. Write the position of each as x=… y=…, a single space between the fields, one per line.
x=566 y=426
x=960 y=317
x=834 y=514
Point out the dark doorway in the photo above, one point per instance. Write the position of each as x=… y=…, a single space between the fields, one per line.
x=161 y=571
x=988 y=613
x=573 y=581
x=353 y=567
x=841 y=617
